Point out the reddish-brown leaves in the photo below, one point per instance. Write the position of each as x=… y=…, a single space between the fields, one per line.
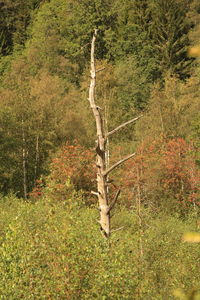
x=165 y=167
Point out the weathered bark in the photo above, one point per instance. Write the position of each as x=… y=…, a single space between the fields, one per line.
x=105 y=206
x=100 y=149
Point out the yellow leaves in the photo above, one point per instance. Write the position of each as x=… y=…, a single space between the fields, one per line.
x=191 y=237
x=193 y=295
x=194 y=51
x=179 y=294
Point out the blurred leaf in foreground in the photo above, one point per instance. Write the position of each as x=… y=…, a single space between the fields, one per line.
x=193 y=295
x=194 y=51
x=179 y=294
x=191 y=237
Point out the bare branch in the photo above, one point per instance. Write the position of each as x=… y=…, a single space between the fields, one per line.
x=122 y=125
x=117 y=229
x=85 y=46
x=114 y=201
x=117 y=164
x=95 y=193
x=99 y=70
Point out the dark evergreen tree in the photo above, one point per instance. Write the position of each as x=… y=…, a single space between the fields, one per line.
x=131 y=29
x=15 y=16
x=169 y=31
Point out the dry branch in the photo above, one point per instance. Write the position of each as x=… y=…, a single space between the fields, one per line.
x=99 y=70
x=121 y=126
x=117 y=164
x=114 y=201
x=114 y=230
x=95 y=193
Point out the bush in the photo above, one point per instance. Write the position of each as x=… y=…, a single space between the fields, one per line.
x=72 y=172
x=164 y=173
x=53 y=251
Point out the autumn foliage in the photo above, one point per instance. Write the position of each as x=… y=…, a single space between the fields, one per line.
x=180 y=173
x=74 y=163
x=163 y=168
x=163 y=172
x=72 y=168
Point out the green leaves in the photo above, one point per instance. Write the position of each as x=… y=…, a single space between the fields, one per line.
x=169 y=31
x=15 y=17
x=48 y=249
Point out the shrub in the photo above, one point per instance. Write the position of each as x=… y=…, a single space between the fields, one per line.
x=71 y=171
x=52 y=251
x=164 y=173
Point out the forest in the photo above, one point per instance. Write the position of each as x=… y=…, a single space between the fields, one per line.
x=138 y=64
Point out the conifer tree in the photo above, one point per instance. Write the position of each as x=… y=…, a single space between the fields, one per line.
x=15 y=16
x=169 y=31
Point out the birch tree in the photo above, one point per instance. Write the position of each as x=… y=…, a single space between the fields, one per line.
x=105 y=204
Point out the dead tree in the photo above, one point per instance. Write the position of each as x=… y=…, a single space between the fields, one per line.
x=105 y=204
x=24 y=161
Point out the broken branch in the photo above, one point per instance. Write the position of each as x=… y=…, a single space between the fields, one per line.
x=117 y=164
x=121 y=126
x=99 y=70
x=114 y=230
x=114 y=201
x=95 y=193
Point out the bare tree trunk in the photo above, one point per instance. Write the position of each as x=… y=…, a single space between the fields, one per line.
x=105 y=205
x=24 y=163
x=138 y=205
x=36 y=157
x=140 y=244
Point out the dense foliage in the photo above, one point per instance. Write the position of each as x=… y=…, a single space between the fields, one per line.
x=50 y=246
x=44 y=57
x=51 y=250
